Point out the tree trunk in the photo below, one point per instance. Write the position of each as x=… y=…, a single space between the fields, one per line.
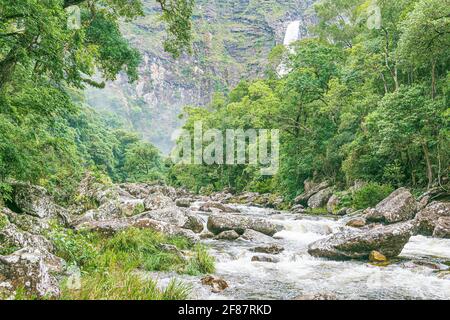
x=428 y=163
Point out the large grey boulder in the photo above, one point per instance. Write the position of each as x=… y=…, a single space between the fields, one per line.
x=320 y=199
x=12 y=237
x=218 y=223
x=399 y=206
x=434 y=220
x=157 y=201
x=35 y=201
x=33 y=270
x=358 y=243
x=216 y=207
x=310 y=190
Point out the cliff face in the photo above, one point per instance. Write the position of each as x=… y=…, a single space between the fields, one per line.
x=232 y=40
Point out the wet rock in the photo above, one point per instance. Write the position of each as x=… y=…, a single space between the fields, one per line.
x=298 y=208
x=264 y=258
x=183 y=203
x=316 y=296
x=216 y=206
x=433 y=220
x=332 y=203
x=227 y=235
x=320 y=199
x=255 y=236
x=217 y=284
x=310 y=190
x=32 y=270
x=219 y=222
x=356 y=222
x=269 y=249
x=194 y=223
x=399 y=206
x=376 y=257
x=358 y=244
x=206 y=235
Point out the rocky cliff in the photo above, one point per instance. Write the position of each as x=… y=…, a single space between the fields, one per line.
x=232 y=40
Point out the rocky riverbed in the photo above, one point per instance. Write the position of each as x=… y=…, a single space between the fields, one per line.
x=398 y=250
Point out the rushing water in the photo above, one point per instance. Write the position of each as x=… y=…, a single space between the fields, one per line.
x=416 y=274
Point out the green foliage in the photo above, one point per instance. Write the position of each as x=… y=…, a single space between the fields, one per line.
x=74 y=247
x=124 y=285
x=370 y=105
x=370 y=195
x=201 y=262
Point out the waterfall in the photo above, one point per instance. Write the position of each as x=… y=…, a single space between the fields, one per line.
x=292 y=33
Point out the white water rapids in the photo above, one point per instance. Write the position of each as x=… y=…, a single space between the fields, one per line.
x=413 y=275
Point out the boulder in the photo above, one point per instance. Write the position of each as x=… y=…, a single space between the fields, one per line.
x=35 y=201
x=106 y=227
x=434 y=220
x=356 y=222
x=399 y=206
x=33 y=270
x=358 y=244
x=216 y=206
x=183 y=203
x=218 y=223
x=310 y=190
x=332 y=203
x=217 y=284
x=157 y=201
x=227 y=235
x=28 y=223
x=298 y=208
x=255 y=236
x=320 y=199
x=164 y=228
x=269 y=249
x=14 y=238
x=206 y=235
x=377 y=257
x=194 y=223
x=265 y=258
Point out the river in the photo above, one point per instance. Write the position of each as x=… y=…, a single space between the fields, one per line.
x=416 y=274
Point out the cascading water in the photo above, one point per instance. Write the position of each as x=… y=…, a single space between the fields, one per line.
x=412 y=276
x=292 y=35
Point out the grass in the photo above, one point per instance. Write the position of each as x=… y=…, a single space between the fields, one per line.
x=117 y=284
x=109 y=264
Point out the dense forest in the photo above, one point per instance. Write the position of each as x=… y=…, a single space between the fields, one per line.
x=48 y=135
x=89 y=209
x=359 y=103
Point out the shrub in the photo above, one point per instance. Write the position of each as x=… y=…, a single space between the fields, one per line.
x=371 y=194
x=77 y=248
